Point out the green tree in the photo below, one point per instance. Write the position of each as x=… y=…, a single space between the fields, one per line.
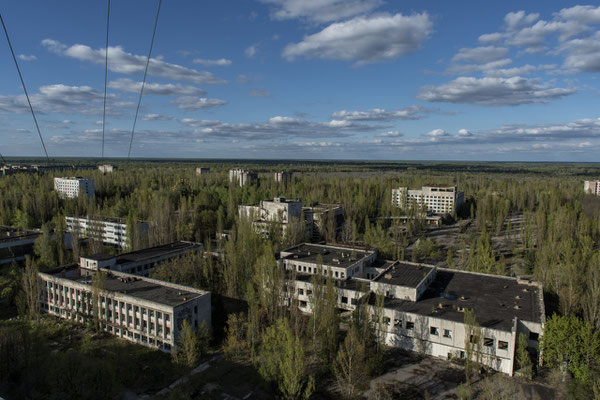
x=32 y=288
x=523 y=357
x=350 y=368
x=187 y=351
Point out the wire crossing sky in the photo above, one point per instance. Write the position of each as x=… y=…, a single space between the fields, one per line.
x=334 y=79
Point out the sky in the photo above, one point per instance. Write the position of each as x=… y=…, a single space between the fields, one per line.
x=305 y=79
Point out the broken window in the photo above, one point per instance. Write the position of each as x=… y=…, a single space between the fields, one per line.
x=534 y=336
x=488 y=342
x=433 y=330
x=447 y=333
x=344 y=300
x=410 y=325
x=502 y=345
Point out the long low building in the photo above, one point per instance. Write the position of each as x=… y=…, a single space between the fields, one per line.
x=142 y=310
x=16 y=243
x=140 y=262
x=424 y=306
x=110 y=230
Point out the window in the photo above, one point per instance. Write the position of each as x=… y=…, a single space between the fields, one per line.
x=397 y=322
x=473 y=339
x=337 y=274
x=489 y=342
x=354 y=301
x=385 y=320
x=534 y=336
x=433 y=331
x=502 y=345
x=303 y=304
x=308 y=292
x=196 y=309
x=447 y=333
x=300 y=291
x=410 y=325
x=344 y=300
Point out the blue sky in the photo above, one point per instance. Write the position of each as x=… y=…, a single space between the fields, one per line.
x=323 y=79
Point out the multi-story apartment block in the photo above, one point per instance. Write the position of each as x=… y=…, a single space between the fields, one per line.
x=283 y=177
x=142 y=310
x=592 y=187
x=202 y=170
x=439 y=199
x=106 y=168
x=111 y=230
x=279 y=211
x=242 y=177
x=16 y=243
x=424 y=307
x=139 y=262
x=71 y=187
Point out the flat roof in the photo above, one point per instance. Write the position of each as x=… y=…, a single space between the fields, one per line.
x=155 y=251
x=494 y=299
x=12 y=234
x=360 y=285
x=307 y=252
x=404 y=274
x=142 y=288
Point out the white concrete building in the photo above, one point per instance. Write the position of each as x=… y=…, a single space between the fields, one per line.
x=423 y=306
x=142 y=310
x=438 y=199
x=242 y=177
x=202 y=170
x=16 y=243
x=592 y=187
x=107 y=168
x=282 y=177
x=111 y=230
x=139 y=262
x=279 y=211
x=322 y=217
x=71 y=187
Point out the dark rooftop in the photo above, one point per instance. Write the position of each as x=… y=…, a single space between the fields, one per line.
x=155 y=251
x=99 y=256
x=10 y=234
x=496 y=300
x=404 y=274
x=134 y=286
x=331 y=255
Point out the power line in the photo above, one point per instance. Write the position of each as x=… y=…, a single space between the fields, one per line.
x=3 y=160
x=24 y=88
x=144 y=80
x=105 y=78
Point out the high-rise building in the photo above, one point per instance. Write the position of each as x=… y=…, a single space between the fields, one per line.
x=592 y=187
x=109 y=230
x=242 y=177
x=438 y=199
x=71 y=187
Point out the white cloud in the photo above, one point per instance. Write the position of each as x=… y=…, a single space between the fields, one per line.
x=583 y=55
x=380 y=114
x=157 y=117
x=258 y=92
x=470 y=68
x=480 y=55
x=221 y=62
x=516 y=71
x=365 y=39
x=492 y=91
x=390 y=134
x=26 y=57
x=251 y=50
x=464 y=132
x=190 y=103
x=320 y=11
x=164 y=89
x=126 y=63
x=437 y=133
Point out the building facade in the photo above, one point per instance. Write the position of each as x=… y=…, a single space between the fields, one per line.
x=16 y=243
x=283 y=177
x=142 y=310
x=72 y=187
x=110 y=230
x=321 y=218
x=437 y=199
x=106 y=168
x=202 y=170
x=242 y=177
x=279 y=212
x=140 y=262
x=423 y=306
x=592 y=187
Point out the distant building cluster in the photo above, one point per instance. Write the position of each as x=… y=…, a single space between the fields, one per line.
x=283 y=213
x=129 y=305
x=72 y=187
x=202 y=170
x=31 y=169
x=437 y=199
x=423 y=306
x=112 y=231
x=242 y=177
x=592 y=187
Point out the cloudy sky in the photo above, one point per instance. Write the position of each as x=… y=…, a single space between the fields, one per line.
x=318 y=79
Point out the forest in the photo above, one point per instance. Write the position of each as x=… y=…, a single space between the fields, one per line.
x=530 y=220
